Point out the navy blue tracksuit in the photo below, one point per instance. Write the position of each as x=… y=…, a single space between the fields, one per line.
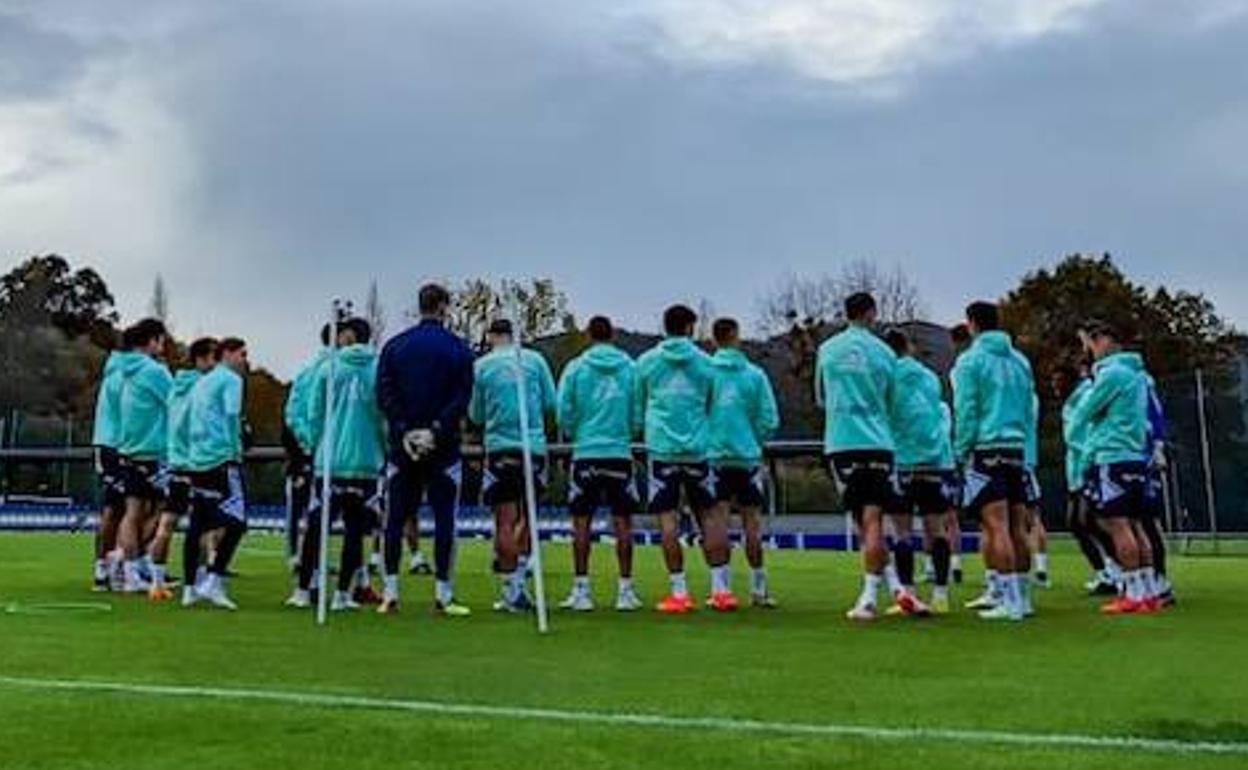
x=424 y=381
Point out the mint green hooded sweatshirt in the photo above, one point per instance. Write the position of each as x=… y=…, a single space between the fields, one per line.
x=596 y=403
x=993 y=396
x=673 y=400
x=495 y=406
x=854 y=375
x=179 y=452
x=743 y=410
x=144 y=409
x=107 y=429
x=297 y=402
x=1115 y=410
x=358 y=449
x=216 y=418
x=1076 y=436
x=917 y=417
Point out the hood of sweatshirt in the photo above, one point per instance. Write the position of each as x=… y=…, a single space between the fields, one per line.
x=996 y=343
x=1123 y=358
x=183 y=381
x=357 y=356
x=606 y=358
x=678 y=351
x=731 y=359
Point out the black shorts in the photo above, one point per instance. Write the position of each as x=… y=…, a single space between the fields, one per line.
x=864 y=478
x=503 y=479
x=178 y=500
x=744 y=487
x=602 y=483
x=145 y=479
x=220 y=491
x=668 y=479
x=994 y=476
x=927 y=491
x=112 y=478
x=1119 y=490
x=349 y=494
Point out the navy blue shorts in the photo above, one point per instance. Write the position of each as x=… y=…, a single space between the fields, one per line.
x=669 y=479
x=995 y=476
x=927 y=491
x=1119 y=490
x=744 y=487
x=603 y=483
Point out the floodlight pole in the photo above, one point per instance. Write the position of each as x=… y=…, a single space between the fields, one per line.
x=530 y=489
x=1205 y=456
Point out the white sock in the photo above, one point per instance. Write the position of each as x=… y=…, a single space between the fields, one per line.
x=580 y=584
x=1014 y=591
x=390 y=585
x=992 y=582
x=955 y=562
x=1135 y=584
x=719 y=579
x=131 y=570
x=442 y=592
x=625 y=584
x=361 y=578
x=679 y=586
x=1042 y=562
x=522 y=563
x=1150 y=581
x=894 y=582
x=158 y=575
x=870 y=589
x=1024 y=589
x=101 y=569
x=418 y=558
x=515 y=583
x=940 y=592
x=758 y=581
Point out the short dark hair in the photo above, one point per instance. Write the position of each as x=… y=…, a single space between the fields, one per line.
x=204 y=347
x=600 y=328
x=725 y=330
x=501 y=326
x=898 y=340
x=858 y=304
x=143 y=332
x=960 y=334
x=1102 y=328
x=231 y=345
x=985 y=315
x=362 y=329
x=678 y=320
x=433 y=298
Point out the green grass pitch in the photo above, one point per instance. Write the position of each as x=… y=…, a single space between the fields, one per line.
x=1179 y=677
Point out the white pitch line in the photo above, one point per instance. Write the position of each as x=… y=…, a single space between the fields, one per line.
x=951 y=735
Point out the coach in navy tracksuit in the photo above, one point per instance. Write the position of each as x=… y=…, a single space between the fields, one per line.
x=424 y=383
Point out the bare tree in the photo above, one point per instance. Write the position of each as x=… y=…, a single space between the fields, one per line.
x=810 y=302
x=375 y=313
x=536 y=305
x=159 y=305
x=897 y=297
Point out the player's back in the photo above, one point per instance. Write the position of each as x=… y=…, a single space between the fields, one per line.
x=855 y=371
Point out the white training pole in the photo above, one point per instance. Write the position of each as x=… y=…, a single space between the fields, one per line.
x=327 y=441
x=530 y=489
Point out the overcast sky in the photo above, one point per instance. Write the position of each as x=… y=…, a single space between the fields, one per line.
x=267 y=155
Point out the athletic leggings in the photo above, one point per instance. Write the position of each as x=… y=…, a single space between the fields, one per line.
x=1076 y=519
x=410 y=482
x=1152 y=530
x=351 y=504
x=298 y=495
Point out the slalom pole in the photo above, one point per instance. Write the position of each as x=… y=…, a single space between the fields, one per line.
x=530 y=488
x=327 y=441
